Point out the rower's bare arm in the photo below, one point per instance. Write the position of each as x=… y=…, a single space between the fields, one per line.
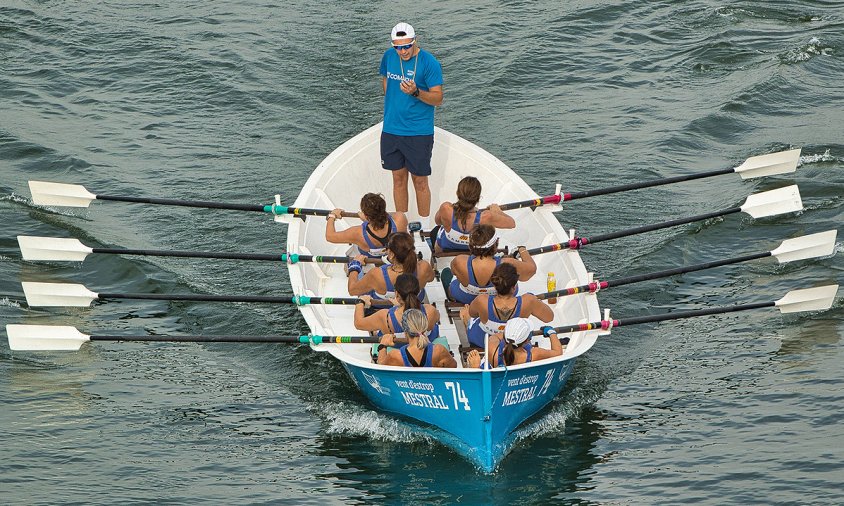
x=372 y=322
x=497 y=218
x=525 y=266
x=540 y=309
x=443 y=214
x=361 y=285
x=445 y=359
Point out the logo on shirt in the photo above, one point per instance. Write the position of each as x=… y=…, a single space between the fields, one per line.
x=399 y=77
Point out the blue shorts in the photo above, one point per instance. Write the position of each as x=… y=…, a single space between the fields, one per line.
x=411 y=152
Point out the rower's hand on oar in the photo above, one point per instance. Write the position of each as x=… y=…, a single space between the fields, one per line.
x=388 y=339
x=367 y=301
x=495 y=208
x=336 y=213
x=354 y=265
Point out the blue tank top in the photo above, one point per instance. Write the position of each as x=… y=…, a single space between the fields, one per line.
x=375 y=251
x=391 y=289
x=427 y=356
x=456 y=238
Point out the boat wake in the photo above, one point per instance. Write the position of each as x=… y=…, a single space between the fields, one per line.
x=343 y=418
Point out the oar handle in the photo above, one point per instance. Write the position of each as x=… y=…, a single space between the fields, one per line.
x=643 y=184
x=550 y=199
x=304 y=211
x=579 y=242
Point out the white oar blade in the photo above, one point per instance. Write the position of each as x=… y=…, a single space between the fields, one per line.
x=808 y=246
x=44 y=338
x=773 y=202
x=810 y=299
x=60 y=194
x=52 y=248
x=57 y=294
x=771 y=164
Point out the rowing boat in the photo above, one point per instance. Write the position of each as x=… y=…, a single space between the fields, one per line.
x=473 y=411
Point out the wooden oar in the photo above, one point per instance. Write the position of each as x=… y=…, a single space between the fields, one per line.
x=800 y=248
x=73 y=195
x=66 y=338
x=72 y=250
x=75 y=295
x=782 y=162
x=809 y=299
x=760 y=205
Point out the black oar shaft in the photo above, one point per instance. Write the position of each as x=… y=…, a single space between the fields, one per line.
x=601 y=285
x=185 y=203
x=683 y=270
x=657 y=226
x=240 y=339
x=301 y=300
x=282 y=257
x=578 y=242
x=662 y=317
x=644 y=184
x=194 y=254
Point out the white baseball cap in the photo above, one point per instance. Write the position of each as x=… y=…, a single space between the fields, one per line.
x=517 y=330
x=403 y=31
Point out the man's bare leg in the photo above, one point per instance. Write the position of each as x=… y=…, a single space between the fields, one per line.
x=400 y=189
x=423 y=195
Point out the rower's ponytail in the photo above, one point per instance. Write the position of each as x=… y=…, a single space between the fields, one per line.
x=509 y=353
x=468 y=195
x=404 y=251
x=415 y=323
x=407 y=290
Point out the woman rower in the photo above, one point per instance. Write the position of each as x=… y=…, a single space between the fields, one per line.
x=490 y=312
x=457 y=219
x=371 y=238
x=473 y=272
x=380 y=283
x=386 y=321
x=513 y=347
x=419 y=351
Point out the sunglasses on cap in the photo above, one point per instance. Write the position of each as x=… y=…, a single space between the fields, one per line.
x=403 y=46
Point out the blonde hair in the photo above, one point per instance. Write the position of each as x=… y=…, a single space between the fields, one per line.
x=415 y=323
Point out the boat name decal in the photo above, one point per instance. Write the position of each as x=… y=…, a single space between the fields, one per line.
x=424 y=400
x=522 y=380
x=518 y=396
x=414 y=385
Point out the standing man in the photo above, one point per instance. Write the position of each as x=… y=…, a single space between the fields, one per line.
x=412 y=80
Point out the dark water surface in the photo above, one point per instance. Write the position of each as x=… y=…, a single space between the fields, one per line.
x=237 y=101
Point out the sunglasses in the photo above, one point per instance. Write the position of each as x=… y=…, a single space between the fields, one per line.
x=403 y=47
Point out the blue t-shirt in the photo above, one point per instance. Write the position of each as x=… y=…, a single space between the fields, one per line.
x=403 y=113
